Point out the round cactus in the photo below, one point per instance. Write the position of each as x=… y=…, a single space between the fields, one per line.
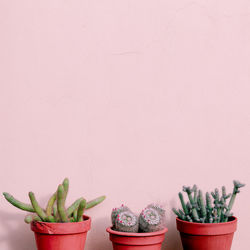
x=150 y=220
x=126 y=221
x=116 y=211
x=158 y=208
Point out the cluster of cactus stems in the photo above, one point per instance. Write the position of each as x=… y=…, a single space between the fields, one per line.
x=151 y=219
x=203 y=210
x=55 y=211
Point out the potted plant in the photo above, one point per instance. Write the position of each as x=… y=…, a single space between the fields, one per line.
x=57 y=228
x=132 y=232
x=207 y=225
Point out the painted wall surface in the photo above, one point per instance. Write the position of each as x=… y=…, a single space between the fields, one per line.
x=131 y=99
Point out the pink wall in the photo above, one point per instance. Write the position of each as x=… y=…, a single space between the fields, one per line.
x=131 y=99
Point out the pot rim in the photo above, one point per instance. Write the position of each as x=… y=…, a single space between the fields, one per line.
x=61 y=228
x=234 y=219
x=111 y=231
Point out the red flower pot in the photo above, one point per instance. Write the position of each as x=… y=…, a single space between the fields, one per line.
x=136 y=241
x=207 y=236
x=61 y=236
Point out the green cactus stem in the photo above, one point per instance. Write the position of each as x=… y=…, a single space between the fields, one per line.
x=17 y=203
x=50 y=204
x=184 y=207
x=55 y=212
x=28 y=218
x=179 y=215
x=216 y=197
x=55 y=209
x=189 y=218
x=202 y=206
x=50 y=218
x=66 y=186
x=195 y=215
x=31 y=217
x=237 y=186
x=75 y=215
x=60 y=204
x=210 y=219
x=208 y=202
x=36 y=206
x=195 y=193
x=150 y=220
x=126 y=221
x=74 y=206
x=189 y=207
x=181 y=212
x=215 y=216
x=224 y=193
x=209 y=207
x=80 y=210
x=95 y=202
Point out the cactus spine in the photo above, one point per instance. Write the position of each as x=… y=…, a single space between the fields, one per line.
x=55 y=210
x=197 y=210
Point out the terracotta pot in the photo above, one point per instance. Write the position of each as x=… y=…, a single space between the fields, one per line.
x=136 y=241
x=207 y=236
x=61 y=236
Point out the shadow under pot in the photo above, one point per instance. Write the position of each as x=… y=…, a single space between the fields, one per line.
x=61 y=236
x=207 y=236
x=136 y=241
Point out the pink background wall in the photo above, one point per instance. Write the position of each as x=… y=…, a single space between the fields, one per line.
x=131 y=99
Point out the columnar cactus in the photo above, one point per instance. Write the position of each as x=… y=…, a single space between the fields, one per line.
x=55 y=210
x=151 y=219
x=201 y=210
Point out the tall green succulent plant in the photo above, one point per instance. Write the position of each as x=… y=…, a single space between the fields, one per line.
x=55 y=210
x=201 y=210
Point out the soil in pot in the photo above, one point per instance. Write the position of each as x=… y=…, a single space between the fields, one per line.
x=136 y=241
x=207 y=236
x=61 y=236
